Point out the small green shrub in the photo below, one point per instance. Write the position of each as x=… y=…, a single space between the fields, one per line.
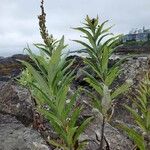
x=100 y=47
x=141 y=115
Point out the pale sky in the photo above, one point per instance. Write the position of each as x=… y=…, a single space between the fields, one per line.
x=19 y=23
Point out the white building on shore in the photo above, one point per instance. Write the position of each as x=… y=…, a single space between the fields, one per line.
x=137 y=35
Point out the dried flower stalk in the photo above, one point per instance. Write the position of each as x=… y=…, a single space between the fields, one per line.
x=48 y=40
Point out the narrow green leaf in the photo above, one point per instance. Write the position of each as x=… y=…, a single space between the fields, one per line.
x=94 y=83
x=69 y=106
x=136 y=116
x=120 y=90
x=62 y=96
x=105 y=59
x=70 y=134
x=88 y=34
x=98 y=32
x=37 y=76
x=138 y=139
x=111 y=76
x=74 y=117
x=82 y=127
x=50 y=116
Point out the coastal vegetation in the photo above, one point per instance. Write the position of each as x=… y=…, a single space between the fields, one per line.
x=141 y=115
x=100 y=54
x=49 y=79
x=49 y=82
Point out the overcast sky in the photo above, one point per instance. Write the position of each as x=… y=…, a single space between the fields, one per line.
x=19 y=23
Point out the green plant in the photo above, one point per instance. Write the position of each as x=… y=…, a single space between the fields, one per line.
x=141 y=115
x=100 y=47
x=49 y=78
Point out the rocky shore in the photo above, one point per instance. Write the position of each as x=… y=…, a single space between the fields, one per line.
x=135 y=49
x=22 y=128
x=10 y=66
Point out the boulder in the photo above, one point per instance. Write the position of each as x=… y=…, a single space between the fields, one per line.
x=115 y=139
x=11 y=67
x=15 y=136
x=16 y=101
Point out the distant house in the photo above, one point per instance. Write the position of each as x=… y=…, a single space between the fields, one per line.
x=129 y=37
x=137 y=35
x=142 y=37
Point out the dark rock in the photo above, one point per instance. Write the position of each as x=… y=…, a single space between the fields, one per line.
x=1 y=58
x=16 y=101
x=20 y=57
x=135 y=49
x=5 y=78
x=78 y=62
x=15 y=136
x=10 y=66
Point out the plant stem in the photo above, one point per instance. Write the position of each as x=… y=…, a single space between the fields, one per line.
x=102 y=133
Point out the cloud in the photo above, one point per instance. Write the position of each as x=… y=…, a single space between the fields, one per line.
x=19 y=23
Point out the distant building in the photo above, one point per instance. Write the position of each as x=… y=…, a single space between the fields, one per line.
x=137 y=35
x=142 y=37
x=129 y=37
